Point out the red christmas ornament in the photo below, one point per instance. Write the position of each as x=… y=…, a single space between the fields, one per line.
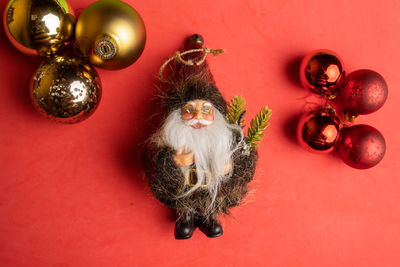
x=363 y=92
x=361 y=146
x=322 y=71
x=318 y=131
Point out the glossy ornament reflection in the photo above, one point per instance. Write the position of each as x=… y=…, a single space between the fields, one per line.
x=318 y=131
x=39 y=27
x=111 y=33
x=322 y=71
x=65 y=89
x=361 y=146
x=363 y=92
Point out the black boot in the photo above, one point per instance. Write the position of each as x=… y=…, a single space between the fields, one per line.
x=184 y=229
x=211 y=227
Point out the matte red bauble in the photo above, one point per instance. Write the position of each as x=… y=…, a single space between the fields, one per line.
x=318 y=131
x=363 y=92
x=322 y=71
x=361 y=146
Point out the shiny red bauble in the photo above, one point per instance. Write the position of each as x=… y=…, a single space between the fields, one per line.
x=318 y=130
x=361 y=146
x=363 y=92
x=322 y=71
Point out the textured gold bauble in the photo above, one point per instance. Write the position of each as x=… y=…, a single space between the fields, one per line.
x=66 y=89
x=111 y=33
x=39 y=27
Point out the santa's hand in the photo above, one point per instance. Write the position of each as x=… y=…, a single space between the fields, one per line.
x=228 y=167
x=183 y=159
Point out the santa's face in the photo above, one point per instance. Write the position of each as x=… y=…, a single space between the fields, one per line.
x=197 y=113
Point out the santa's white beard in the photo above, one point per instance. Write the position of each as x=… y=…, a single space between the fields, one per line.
x=212 y=147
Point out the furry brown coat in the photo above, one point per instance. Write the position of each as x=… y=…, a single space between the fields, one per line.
x=167 y=181
x=167 y=184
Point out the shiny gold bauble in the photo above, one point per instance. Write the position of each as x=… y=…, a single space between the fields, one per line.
x=39 y=27
x=111 y=33
x=66 y=89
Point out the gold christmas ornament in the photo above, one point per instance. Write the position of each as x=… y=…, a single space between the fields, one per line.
x=65 y=89
x=111 y=33
x=39 y=27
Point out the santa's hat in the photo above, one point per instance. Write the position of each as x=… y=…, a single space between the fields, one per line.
x=191 y=82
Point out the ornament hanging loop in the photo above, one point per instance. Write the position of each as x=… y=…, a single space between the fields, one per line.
x=178 y=57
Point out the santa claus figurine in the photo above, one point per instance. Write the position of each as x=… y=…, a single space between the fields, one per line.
x=199 y=162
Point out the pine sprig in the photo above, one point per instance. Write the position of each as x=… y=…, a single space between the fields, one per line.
x=236 y=110
x=257 y=127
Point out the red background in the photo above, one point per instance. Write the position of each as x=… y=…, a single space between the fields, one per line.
x=75 y=195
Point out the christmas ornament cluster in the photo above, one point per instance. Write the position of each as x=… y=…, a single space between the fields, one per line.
x=108 y=34
x=361 y=92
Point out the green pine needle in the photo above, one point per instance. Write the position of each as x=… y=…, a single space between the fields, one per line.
x=235 y=110
x=257 y=127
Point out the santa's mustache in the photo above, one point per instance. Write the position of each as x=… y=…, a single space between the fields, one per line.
x=196 y=121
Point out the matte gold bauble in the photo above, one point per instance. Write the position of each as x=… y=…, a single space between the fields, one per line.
x=65 y=89
x=111 y=33
x=39 y=27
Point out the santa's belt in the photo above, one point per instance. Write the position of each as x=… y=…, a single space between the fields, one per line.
x=189 y=174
